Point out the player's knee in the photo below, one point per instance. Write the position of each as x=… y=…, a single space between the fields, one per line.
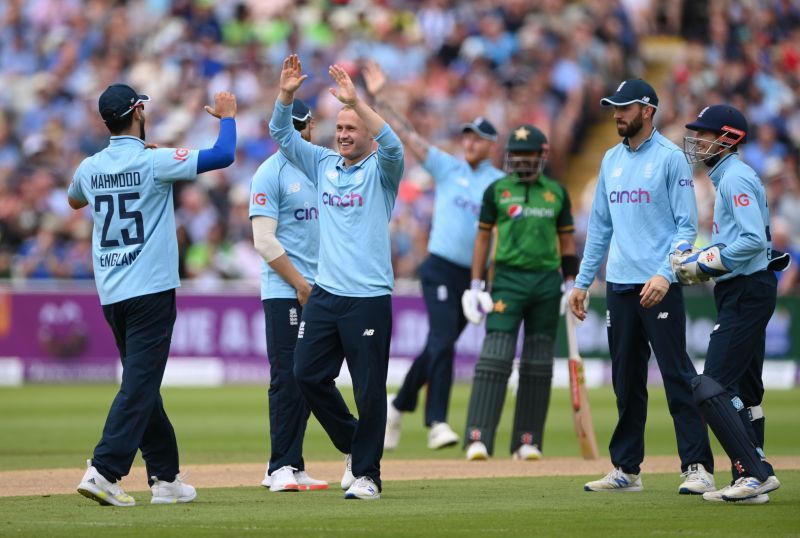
x=705 y=388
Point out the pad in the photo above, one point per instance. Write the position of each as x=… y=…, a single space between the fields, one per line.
x=724 y=415
x=533 y=394
x=489 y=387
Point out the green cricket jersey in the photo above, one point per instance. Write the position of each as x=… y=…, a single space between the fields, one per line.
x=528 y=216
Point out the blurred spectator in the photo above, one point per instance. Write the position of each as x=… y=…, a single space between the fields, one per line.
x=542 y=61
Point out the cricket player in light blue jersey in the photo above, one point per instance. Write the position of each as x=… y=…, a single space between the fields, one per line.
x=741 y=261
x=128 y=188
x=644 y=207
x=445 y=274
x=284 y=214
x=349 y=311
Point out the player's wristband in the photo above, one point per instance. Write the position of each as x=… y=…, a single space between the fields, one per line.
x=569 y=265
x=477 y=284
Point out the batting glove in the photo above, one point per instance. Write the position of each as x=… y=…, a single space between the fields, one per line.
x=476 y=302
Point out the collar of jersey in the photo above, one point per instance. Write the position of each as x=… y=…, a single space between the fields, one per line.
x=718 y=170
x=646 y=141
x=126 y=139
x=340 y=165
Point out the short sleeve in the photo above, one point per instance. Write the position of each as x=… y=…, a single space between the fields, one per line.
x=265 y=190
x=74 y=190
x=488 y=214
x=173 y=164
x=564 y=222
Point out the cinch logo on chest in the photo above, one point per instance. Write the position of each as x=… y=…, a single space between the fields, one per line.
x=640 y=196
x=469 y=205
x=306 y=213
x=347 y=200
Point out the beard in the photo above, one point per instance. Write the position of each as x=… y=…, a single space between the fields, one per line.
x=631 y=128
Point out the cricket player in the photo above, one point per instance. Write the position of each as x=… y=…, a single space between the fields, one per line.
x=644 y=207
x=532 y=216
x=135 y=252
x=740 y=260
x=284 y=215
x=445 y=274
x=349 y=310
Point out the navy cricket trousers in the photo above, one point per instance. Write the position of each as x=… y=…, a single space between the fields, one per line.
x=288 y=412
x=359 y=328
x=735 y=355
x=142 y=329
x=632 y=330
x=443 y=283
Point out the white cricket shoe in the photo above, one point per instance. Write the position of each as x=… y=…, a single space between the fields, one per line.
x=441 y=435
x=696 y=480
x=527 y=452
x=717 y=497
x=477 y=452
x=394 y=423
x=304 y=482
x=96 y=487
x=283 y=480
x=616 y=480
x=363 y=488
x=748 y=486
x=171 y=492
x=347 y=477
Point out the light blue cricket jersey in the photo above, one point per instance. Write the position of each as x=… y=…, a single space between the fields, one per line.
x=643 y=206
x=129 y=188
x=355 y=205
x=741 y=217
x=459 y=193
x=280 y=191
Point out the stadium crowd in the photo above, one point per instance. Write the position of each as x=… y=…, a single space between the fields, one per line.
x=545 y=62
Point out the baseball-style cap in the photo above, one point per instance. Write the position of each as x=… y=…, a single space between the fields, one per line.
x=526 y=138
x=300 y=111
x=721 y=119
x=481 y=127
x=118 y=101
x=630 y=91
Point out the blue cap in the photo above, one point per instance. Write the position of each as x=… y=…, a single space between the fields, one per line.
x=632 y=91
x=119 y=100
x=300 y=111
x=481 y=127
x=721 y=119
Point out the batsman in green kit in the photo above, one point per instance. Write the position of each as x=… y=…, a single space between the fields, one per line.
x=534 y=252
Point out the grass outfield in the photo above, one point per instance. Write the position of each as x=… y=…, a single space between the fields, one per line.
x=57 y=426
x=500 y=507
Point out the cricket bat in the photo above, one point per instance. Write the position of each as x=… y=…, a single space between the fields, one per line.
x=581 y=412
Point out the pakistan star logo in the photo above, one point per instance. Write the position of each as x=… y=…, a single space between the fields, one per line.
x=500 y=306
x=521 y=134
x=549 y=197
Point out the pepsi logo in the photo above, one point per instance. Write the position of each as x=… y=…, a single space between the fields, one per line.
x=515 y=211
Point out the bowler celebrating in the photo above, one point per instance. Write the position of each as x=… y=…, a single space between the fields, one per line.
x=349 y=311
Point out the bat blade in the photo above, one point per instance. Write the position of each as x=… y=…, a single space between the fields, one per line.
x=579 y=396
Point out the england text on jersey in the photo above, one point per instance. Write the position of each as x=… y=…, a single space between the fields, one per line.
x=114 y=259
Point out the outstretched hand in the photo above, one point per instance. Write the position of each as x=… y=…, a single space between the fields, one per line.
x=292 y=76
x=346 y=93
x=224 y=105
x=374 y=78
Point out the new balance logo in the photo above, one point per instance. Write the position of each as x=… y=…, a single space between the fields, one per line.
x=368 y=332
x=91 y=481
x=662 y=315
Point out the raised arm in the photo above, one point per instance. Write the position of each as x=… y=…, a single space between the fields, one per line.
x=346 y=93
x=302 y=154
x=376 y=80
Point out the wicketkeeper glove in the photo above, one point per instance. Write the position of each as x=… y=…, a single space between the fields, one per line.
x=699 y=266
x=476 y=302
